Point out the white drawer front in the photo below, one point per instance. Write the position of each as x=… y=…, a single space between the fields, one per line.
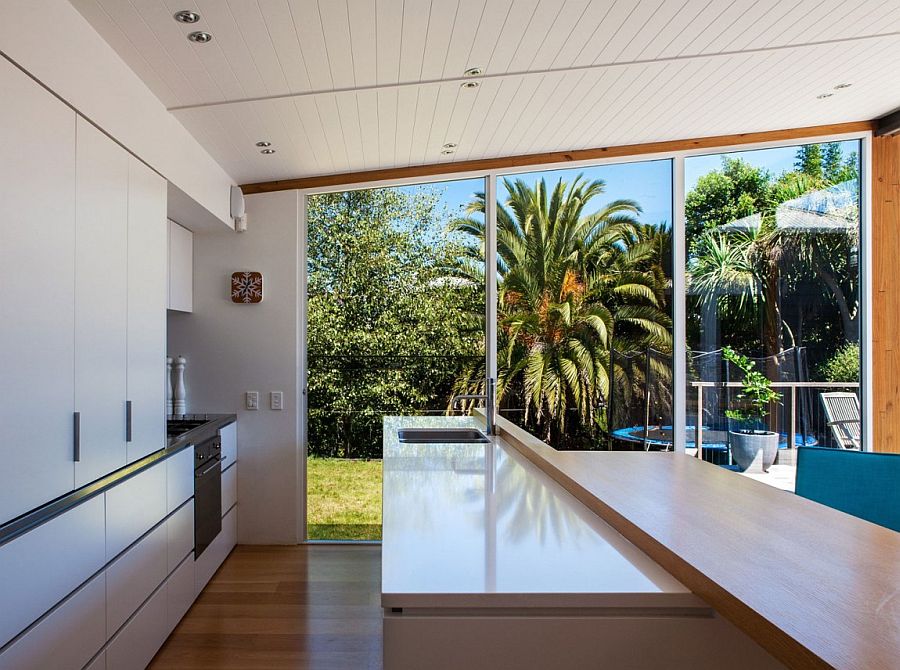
x=134 y=507
x=229 y=489
x=134 y=646
x=42 y=567
x=99 y=663
x=67 y=638
x=229 y=443
x=210 y=560
x=133 y=576
x=181 y=534
x=180 y=478
x=180 y=592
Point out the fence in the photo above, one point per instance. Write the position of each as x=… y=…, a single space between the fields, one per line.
x=348 y=395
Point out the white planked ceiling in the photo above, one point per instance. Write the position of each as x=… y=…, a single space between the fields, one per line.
x=347 y=85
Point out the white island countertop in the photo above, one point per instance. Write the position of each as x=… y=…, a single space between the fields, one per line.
x=478 y=525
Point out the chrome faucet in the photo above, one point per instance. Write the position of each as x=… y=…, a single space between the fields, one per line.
x=489 y=396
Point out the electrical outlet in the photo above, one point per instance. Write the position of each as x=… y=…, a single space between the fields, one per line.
x=276 y=400
x=251 y=399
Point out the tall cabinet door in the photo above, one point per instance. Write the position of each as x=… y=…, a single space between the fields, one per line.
x=37 y=309
x=147 y=292
x=101 y=226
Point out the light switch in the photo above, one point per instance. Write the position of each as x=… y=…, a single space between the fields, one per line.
x=252 y=399
x=276 y=400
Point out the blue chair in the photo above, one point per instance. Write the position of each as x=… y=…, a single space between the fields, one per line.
x=861 y=483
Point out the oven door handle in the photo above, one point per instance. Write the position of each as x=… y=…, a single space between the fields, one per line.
x=211 y=467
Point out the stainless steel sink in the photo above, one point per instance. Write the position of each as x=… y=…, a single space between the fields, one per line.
x=441 y=435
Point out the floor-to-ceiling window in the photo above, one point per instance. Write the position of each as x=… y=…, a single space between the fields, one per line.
x=774 y=304
x=584 y=304
x=587 y=302
x=395 y=323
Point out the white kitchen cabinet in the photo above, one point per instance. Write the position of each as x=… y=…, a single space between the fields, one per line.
x=101 y=210
x=133 y=577
x=216 y=553
x=180 y=530
x=179 y=592
x=136 y=643
x=134 y=507
x=146 y=324
x=67 y=638
x=228 y=435
x=99 y=663
x=37 y=242
x=179 y=478
x=43 y=566
x=229 y=489
x=181 y=268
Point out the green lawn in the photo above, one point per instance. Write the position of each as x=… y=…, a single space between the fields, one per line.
x=344 y=499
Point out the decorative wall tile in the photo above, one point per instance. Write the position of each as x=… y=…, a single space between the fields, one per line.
x=246 y=287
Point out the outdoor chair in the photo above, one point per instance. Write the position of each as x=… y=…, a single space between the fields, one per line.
x=843 y=416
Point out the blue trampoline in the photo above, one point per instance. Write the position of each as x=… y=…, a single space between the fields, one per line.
x=662 y=437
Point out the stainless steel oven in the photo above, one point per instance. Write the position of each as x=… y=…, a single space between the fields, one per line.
x=207 y=493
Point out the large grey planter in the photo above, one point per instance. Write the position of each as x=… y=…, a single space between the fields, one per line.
x=754 y=452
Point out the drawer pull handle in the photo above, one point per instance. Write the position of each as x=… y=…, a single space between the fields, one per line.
x=76 y=436
x=128 y=414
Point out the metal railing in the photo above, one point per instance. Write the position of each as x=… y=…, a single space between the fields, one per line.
x=792 y=413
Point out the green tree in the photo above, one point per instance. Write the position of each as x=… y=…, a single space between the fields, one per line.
x=572 y=285
x=736 y=190
x=809 y=160
x=388 y=323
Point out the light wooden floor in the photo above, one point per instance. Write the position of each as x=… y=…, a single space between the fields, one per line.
x=284 y=607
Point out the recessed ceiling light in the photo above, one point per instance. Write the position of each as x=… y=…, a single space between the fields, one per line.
x=473 y=72
x=470 y=84
x=263 y=143
x=187 y=16
x=447 y=152
x=840 y=86
x=267 y=151
x=200 y=37
x=450 y=145
x=822 y=96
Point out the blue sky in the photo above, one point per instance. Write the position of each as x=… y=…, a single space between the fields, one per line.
x=647 y=182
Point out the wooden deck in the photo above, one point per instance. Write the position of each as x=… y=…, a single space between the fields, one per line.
x=299 y=607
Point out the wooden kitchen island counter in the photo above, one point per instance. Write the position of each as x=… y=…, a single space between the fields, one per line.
x=815 y=587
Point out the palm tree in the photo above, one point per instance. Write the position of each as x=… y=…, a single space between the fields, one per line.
x=571 y=286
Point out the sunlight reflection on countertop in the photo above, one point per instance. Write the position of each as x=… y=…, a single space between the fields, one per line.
x=480 y=524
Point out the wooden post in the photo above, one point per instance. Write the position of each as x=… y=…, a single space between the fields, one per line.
x=886 y=292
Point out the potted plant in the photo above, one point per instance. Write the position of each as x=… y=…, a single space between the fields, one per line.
x=751 y=443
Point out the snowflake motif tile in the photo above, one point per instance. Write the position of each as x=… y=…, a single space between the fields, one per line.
x=246 y=287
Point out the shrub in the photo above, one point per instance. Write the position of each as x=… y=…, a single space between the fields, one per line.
x=843 y=366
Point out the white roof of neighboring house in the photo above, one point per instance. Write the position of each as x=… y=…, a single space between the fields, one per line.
x=835 y=208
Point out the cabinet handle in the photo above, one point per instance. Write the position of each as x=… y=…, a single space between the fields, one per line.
x=76 y=436
x=128 y=421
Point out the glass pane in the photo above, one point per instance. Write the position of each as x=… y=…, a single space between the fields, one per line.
x=584 y=305
x=773 y=331
x=395 y=319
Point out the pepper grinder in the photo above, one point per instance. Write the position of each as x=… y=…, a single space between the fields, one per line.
x=179 y=393
x=170 y=408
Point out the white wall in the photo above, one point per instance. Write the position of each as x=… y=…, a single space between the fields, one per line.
x=232 y=348
x=58 y=47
